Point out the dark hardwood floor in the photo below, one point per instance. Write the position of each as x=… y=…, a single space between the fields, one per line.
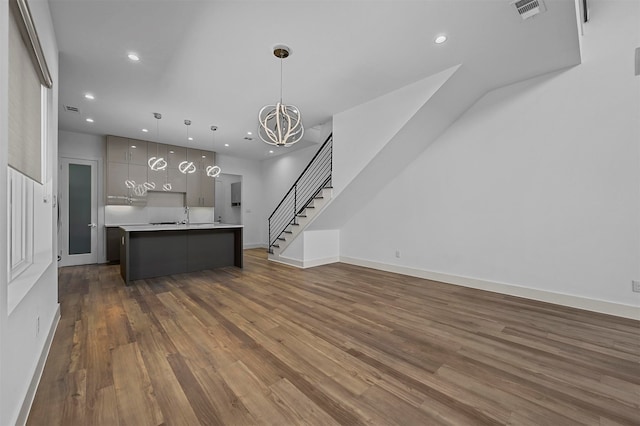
x=336 y=344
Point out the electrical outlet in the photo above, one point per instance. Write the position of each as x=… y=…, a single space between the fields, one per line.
x=635 y=286
x=37 y=326
x=398 y=254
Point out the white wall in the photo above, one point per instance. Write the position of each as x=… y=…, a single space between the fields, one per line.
x=279 y=173
x=253 y=208
x=537 y=185
x=21 y=346
x=225 y=212
x=360 y=133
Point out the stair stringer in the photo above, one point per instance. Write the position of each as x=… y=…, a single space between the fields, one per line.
x=278 y=253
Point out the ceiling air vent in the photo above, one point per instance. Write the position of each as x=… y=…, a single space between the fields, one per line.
x=72 y=109
x=529 y=8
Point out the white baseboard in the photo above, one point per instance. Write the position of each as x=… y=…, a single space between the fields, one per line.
x=254 y=245
x=601 y=306
x=319 y=262
x=37 y=374
x=287 y=261
x=304 y=264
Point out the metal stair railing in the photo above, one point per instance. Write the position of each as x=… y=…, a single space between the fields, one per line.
x=315 y=177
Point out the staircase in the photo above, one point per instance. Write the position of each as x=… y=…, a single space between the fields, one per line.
x=306 y=198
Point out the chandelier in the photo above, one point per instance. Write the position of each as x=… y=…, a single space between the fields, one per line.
x=280 y=124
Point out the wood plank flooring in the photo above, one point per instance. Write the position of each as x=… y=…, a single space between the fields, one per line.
x=336 y=344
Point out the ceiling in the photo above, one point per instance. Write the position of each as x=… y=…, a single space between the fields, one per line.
x=212 y=61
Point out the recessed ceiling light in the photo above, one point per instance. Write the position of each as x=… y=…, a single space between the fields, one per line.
x=249 y=133
x=172 y=152
x=226 y=144
x=145 y=130
x=270 y=152
x=89 y=120
x=133 y=57
x=204 y=156
x=190 y=138
x=440 y=39
x=89 y=96
x=133 y=146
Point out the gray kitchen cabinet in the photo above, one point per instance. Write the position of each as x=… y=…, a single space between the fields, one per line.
x=200 y=187
x=207 y=190
x=194 y=196
x=158 y=150
x=156 y=178
x=138 y=152
x=117 y=191
x=196 y=156
x=175 y=156
x=177 y=180
x=113 y=244
x=128 y=159
x=117 y=149
x=124 y=150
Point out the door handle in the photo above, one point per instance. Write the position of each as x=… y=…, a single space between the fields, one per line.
x=92 y=225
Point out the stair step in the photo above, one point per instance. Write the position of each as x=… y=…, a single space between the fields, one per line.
x=301 y=215
x=281 y=239
x=275 y=245
x=288 y=232
x=310 y=207
x=318 y=198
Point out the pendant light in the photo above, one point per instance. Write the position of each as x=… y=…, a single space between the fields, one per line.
x=187 y=167
x=157 y=163
x=280 y=124
x=213 y=171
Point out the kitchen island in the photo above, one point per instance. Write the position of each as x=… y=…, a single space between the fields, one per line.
x=148 y=251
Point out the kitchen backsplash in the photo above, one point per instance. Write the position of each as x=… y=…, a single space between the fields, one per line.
x=130 y=215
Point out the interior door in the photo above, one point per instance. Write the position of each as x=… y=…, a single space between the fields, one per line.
x=78 y=189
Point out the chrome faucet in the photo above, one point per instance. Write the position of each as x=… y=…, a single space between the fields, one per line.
x=186 y=211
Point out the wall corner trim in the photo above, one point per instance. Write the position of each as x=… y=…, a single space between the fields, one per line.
x=594 y=305
x=23 y=415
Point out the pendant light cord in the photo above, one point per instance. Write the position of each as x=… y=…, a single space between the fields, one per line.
x=280 y=78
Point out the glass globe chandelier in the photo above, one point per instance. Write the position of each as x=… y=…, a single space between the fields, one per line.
x=280 y=124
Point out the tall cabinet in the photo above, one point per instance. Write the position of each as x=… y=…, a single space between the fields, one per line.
x=128 y=169
x=200 y=187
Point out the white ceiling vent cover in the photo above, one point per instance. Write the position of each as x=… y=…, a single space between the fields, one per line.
x=529 y=8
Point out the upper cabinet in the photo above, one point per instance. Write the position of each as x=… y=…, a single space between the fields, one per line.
x=200 y=187
x=123 y=150
x=126 y=171
x=130 y=176
x=175 y=156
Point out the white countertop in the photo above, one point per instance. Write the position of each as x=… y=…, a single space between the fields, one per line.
x=139 y=228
